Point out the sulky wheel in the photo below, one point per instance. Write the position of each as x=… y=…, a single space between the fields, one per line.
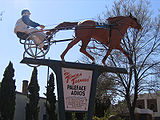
x=33 y=49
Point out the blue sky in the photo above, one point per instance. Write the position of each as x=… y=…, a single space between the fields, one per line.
x=49 y=13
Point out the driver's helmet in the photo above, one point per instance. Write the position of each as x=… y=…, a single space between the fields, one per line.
x=25 y=11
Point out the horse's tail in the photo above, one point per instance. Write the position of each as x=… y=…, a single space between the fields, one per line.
x=64 y=26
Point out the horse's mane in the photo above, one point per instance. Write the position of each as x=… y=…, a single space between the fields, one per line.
x=114 y=19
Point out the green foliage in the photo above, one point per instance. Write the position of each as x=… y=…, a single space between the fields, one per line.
x=32 y=108
x=79 y=116
x=120 y=107
x=107 y=116
x=7 y=94
x=105 y=92
x=51 y=98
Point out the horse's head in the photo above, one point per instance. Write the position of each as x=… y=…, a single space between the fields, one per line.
x=134 y=23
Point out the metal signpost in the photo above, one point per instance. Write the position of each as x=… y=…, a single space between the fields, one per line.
x=76 y=83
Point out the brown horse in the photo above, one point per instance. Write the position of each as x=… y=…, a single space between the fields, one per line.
x=110 y=35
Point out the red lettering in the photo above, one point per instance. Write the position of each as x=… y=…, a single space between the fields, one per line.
x=74 y=78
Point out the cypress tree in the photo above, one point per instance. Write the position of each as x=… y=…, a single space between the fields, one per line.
x=51 y=98
x=32 y=108
x=7 y=94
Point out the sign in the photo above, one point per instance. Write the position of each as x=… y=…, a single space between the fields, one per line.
x=76 y=88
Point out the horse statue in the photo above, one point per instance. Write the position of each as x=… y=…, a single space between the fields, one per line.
x=108 y=34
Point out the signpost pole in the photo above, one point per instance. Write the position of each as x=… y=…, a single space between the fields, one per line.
x=92 y=94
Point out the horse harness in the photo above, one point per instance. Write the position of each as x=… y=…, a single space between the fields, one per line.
x=110 y=26
x=105 y=26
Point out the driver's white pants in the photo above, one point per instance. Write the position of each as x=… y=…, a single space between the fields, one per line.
x=38 y=37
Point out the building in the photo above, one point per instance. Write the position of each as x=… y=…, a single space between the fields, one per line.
x=21 y=100
x=147 y=102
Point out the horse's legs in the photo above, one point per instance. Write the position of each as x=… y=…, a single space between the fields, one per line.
x=83 y=48
x=127 y=55
x=70 y=45
x=105 y=57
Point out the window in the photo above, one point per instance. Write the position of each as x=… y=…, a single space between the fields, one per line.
x=140 y=104
x=152 y=104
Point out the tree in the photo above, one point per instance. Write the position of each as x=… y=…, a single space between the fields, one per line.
x=32 y=108
x=51 y=98
x=143 y=48
x=105 y=92
x=7 y=94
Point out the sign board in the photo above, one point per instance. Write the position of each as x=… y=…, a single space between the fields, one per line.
x=76 y=88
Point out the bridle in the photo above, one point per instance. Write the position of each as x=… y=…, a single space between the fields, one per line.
x=117 y=22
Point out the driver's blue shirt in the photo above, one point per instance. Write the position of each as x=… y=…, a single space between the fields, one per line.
x=29 y=22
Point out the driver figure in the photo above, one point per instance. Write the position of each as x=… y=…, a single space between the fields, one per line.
x=24 y=26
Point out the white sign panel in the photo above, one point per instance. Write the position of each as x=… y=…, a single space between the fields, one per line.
x=76 y=88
